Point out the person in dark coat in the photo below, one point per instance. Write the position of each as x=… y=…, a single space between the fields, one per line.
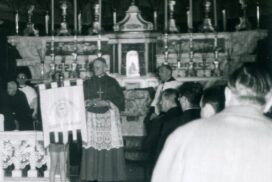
x=189 y=99
x=17 y=111
x=103 y=154
x=170 y=110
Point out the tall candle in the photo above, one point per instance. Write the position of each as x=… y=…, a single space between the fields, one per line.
x=46 y=23
x=114 y=17
x=188 y=19
x=75 y=17
x=215 y=14
x=52 y=16
x=79 y=23
x=258 y=15
x=17 y=22
x=155 y=19
x=165 y=16
x=191 y=15
x=100 y=15
x=224 y=20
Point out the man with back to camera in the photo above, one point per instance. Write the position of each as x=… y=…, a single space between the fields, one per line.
x=234 y=145
x=169 y=110
x=189 y=95
x=212 y=101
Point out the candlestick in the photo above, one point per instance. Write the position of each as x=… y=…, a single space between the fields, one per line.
x=99 y=42
x=79 y=24
x=191 y=15
x=155 y=19
x=46 y=22
x=52 y=16
x=216 y=41
x=215 y=14
x=165 y=41
x=258 y=15
x=52 y=47
x=17 y=22
x=191 y=40
x=224 y=20
x=75 y=43
x=75 y=17
x=165 y=16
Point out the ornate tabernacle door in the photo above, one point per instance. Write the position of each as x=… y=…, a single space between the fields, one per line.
x=63 y=112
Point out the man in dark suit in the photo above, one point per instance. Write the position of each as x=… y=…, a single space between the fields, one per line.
x=189 y=99
x=17 y=111
x=170 y=109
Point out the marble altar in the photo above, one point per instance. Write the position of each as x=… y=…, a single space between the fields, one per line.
x=234 y=48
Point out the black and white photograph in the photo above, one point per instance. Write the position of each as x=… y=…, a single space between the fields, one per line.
x=135 y=90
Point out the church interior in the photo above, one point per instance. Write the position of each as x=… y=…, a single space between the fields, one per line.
x=202 y=41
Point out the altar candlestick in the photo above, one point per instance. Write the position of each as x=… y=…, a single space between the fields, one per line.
x=191 y=15
x=165 y=16
x=75 y=17
x=52 y=16
x=215 y=14
x=155 y=19
x=52 y=43
x=215 y=41
x=17 y=22
x=99 y=42
x=114 y=17
x=224 y=20
x=258 y=15
x=79 y=23
x=46 y=23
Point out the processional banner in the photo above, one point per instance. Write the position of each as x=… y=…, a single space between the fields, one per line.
x=63 y=112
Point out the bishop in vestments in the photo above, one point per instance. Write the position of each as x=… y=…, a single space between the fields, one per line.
x=103 y=155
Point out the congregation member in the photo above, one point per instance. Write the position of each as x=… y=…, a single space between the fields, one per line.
x=233 y=145
x=30 y=93
x=17 y=112
x=212 y=101
x=189 y=95
x=169 y=110
x=103 y=155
